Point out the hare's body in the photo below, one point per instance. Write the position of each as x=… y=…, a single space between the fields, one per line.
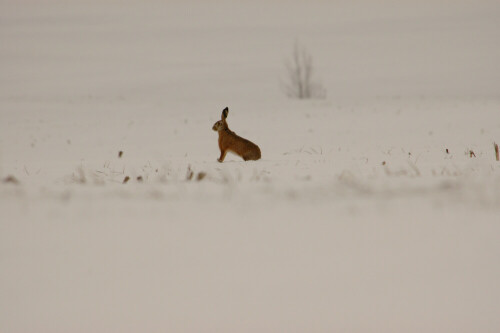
x=230 y=141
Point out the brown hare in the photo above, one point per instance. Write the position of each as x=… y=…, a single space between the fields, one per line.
x=229 y=141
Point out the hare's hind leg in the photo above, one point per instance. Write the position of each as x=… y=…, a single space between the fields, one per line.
x=252 y=156
x=222 y=156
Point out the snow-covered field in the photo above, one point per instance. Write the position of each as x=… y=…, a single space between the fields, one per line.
x=366 y=213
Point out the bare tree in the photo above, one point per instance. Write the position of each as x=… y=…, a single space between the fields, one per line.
x=300 y=76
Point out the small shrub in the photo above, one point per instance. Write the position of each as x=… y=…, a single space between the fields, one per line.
x=300 y=76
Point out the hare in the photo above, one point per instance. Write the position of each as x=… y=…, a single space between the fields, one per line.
x=229 y=141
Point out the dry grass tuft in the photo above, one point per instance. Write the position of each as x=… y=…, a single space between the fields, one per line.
x=189 y=173
x=200 y=176
x=79 y=177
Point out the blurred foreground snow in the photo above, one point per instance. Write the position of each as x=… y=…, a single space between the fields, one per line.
x=356 y=218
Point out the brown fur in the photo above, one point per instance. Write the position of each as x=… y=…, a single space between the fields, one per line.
x=230 y=141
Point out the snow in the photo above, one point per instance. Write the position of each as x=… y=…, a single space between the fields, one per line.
x=355 y=219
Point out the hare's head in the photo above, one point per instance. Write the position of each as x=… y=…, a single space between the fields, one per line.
x=221 y=124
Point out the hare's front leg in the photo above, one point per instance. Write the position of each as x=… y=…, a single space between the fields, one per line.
x=222 y=156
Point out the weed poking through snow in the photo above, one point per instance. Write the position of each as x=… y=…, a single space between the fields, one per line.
x=10 y=180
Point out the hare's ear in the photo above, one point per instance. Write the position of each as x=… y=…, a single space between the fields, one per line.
x=224 y=113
